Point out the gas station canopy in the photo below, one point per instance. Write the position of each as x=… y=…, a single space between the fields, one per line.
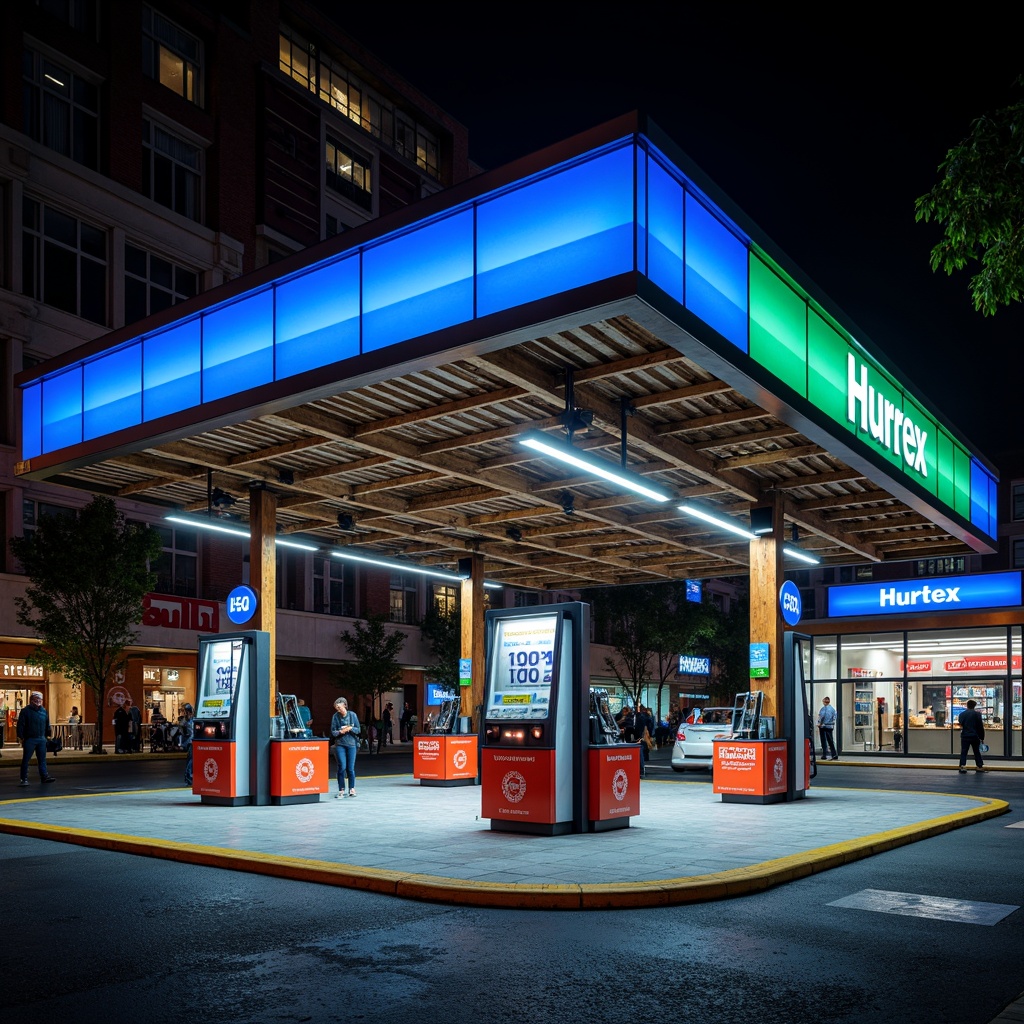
x=601 y=292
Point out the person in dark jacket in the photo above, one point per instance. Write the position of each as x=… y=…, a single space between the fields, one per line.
x=972 y=732
x=33 y=732
x=122 y=730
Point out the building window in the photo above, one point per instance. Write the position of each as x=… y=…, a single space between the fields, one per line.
x=152 y=284
x=61 y=109
x=403 y=598
x=297 y=58
x=32 y=511
x=172 y=56
x=446 y=599
x=64 y=262
x=525 y=598
x=333 y=587
x=349 y=175
x=175 y=566
x=172 y=171
x=1018 y=554
x=79 y=14
x=1017 y=502
x=340 y=89
x=939 y=566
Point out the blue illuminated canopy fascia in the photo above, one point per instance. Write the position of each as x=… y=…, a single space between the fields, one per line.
x=537 y=235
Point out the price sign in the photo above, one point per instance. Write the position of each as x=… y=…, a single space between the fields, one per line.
x=241 y=605
x=524 y=664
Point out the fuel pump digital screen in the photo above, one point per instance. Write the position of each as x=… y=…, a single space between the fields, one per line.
x=522 y=667
x=219 y=678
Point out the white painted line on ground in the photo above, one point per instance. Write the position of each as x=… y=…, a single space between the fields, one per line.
x=939 y=908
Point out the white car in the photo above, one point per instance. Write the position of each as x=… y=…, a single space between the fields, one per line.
x=694 y=740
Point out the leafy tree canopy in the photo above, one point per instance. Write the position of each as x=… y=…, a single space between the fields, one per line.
x=443 y=633
x=375 y=670
x=979 y=201
x=88 y=572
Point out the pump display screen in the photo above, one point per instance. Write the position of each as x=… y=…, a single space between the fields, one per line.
x=219 y=678
x=522 y=665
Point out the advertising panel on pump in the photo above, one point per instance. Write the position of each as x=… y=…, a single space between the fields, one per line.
x=220 y=679
x=524 y=661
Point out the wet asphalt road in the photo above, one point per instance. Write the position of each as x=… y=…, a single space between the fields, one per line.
x=94 y=936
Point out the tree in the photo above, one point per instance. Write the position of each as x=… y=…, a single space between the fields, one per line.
x=88 y=572
x=375 y=670
x=623 y=616
x=443 y=632
x=979 y=201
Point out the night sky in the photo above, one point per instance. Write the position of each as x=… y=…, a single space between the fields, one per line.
x=824 y=138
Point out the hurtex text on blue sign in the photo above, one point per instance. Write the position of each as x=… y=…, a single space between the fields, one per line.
x=937 y=594
x=694 y=665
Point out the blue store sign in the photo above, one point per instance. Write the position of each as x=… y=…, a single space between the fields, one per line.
x=437 y=694
x=790 y=603
x=926 y=595
x=241 y=605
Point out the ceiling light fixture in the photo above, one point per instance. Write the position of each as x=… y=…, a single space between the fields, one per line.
x=398 y=565
x=540 y=442
x=802 y=555
x=722 y=522
x=237 y=531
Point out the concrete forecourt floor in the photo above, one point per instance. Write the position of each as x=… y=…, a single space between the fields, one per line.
x=429 y=843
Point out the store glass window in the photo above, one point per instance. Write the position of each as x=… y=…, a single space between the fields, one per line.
x=172 y=56
x=825 y=657
x=60 y=109
x=64 y=261
x=871 y=656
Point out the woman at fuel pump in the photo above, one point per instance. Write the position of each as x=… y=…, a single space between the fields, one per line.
x=345 y=734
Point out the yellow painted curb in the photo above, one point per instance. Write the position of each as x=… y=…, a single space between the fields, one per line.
x=435 y=889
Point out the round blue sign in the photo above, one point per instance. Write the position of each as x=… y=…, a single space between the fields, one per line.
x=790 y=603
x=241 y=605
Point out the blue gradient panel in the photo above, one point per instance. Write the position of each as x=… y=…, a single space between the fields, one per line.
x=31 y=421
x=62 y=409
x=112 y=393
x=317 y=318
x=640 y=209
x=716 y=274
x=418 y=282
x=556 y=233
x=993 y=507
x=925 y=595
x=238 y=346
x=171 y=365
x=665 y=230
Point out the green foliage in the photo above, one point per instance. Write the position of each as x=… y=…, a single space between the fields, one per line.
x=979 y=201
x=650 y=626
x=443 y=633
x=375 y=670
x=87 y=575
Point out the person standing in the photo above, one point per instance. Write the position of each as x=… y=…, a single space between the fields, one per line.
x=403 y=723
x=185 y=725
x=122 y=726
x=134 y=726
x=306 y=717
x=972 y=732
x=388 y=729
x=75 y=728
x=827 y=728
x=33 y=732
x=345 y=734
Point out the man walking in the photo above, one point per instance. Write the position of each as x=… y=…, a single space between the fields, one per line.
x=33 y=732
x=826 y=729
x=972 y=732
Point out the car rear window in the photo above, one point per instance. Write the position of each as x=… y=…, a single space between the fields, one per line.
x=717 y=716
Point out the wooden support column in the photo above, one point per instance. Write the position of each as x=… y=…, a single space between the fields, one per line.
x=263 y=572
x=766 y=623
x=472 y=607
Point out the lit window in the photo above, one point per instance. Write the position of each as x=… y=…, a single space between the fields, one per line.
x=61 y=109
x=446 y=599
x=152 y=284
x=348 y=174
x=297 y=58
x=64 y=262
x=172 y=56
x=172 y=171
